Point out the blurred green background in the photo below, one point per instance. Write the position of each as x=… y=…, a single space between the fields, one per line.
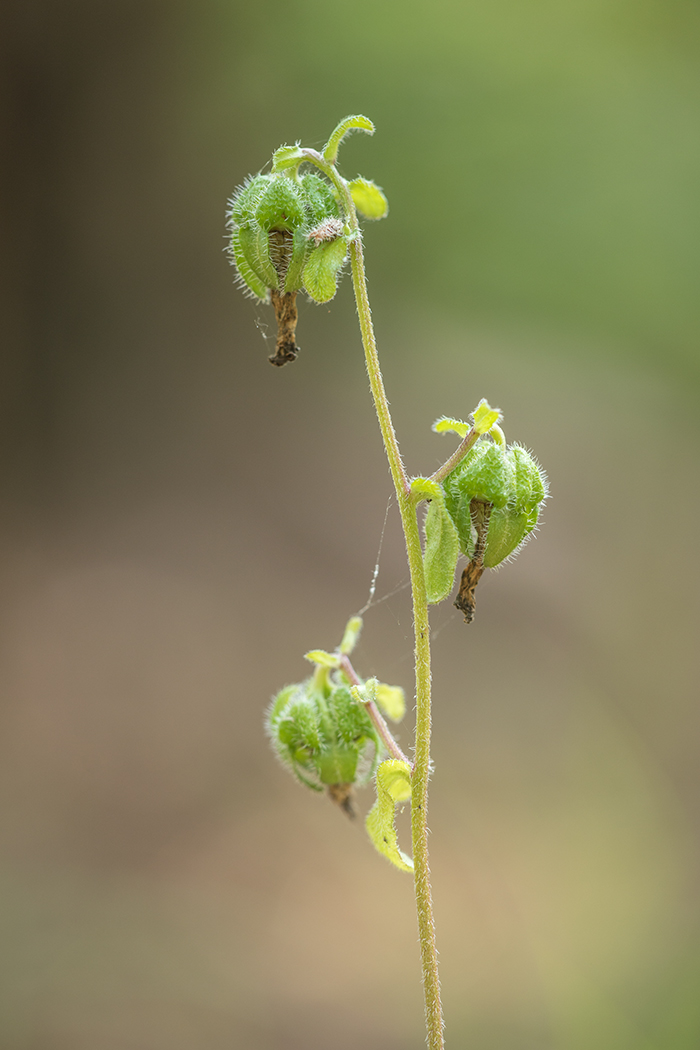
x=180 y=523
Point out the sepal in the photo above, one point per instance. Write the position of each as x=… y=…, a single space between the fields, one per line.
x=441 y=551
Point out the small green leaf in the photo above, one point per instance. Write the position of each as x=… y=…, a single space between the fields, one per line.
x=369 y=199
x=446 y=425
x=441 y=551
x=352 y=633
x=321 y=271
x=484 y=417
x=321 y=658
x=391 y=701
x=393 y=785
x=358 y=122
x=287 y=157
x=425 y=488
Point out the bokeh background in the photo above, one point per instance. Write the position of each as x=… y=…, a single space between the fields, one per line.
x=180 y=523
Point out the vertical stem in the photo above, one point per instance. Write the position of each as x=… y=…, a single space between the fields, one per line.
x=421 y=770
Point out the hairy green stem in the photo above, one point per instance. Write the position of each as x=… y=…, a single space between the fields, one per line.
x=457 y=456
x=409 y=520
x=421 y=768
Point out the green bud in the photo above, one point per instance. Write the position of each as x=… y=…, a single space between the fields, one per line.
x=245 y=201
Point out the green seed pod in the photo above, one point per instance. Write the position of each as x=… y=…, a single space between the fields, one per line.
x=506 y=531
x=290 y=231
x=318 y=199
x=243 y=204
x=530 y=487
x=322 y=734
x=255 y=247
x=493 y=493
x=486 y=473
x=279 y=225
x=281 y=205
x=248 y=275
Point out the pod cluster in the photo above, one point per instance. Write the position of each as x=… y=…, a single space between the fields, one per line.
x=510 y=483
x=321 y=733
x=287 y=234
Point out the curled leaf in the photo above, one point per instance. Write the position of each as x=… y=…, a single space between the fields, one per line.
x=393 y=785
x=353 y=123
x=369 y=199
x=447 y=425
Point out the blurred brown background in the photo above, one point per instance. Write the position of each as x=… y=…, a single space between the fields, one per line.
x=180 y=523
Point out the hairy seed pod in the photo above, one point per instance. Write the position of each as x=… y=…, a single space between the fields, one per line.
x=509 y=483
x=322 y=734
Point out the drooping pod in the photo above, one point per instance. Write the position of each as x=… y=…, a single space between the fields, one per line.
x=486 y=507
x=289 y=233
x=322 y=733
